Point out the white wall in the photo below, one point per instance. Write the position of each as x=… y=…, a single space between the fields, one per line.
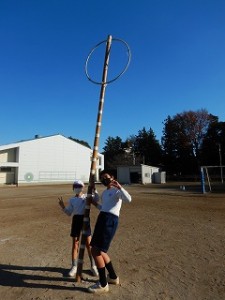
x=47 y=159
x=147 y=173
x=54 y=158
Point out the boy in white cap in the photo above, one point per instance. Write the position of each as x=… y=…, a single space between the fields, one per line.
x=75 y=208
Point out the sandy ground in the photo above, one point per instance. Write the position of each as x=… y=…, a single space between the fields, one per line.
x=169 y=245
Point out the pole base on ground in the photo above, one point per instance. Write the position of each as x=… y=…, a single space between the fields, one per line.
x=78 y=278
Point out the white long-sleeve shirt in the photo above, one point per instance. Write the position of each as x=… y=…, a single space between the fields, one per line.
x=112 y=198
x=76 y=205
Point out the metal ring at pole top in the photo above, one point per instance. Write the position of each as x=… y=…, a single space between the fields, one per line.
x=120 y=74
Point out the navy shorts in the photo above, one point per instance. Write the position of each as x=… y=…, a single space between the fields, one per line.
x=104 y=231
x=76 y=226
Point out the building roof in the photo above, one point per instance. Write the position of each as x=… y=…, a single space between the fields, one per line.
x=36 y=137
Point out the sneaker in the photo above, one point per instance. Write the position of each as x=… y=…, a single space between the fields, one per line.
x=98 y=289
x=73 y=271
x=113 y=281
x=94 y=271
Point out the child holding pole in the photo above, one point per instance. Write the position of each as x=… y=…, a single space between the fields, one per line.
x=76 y=208
x=105 y=229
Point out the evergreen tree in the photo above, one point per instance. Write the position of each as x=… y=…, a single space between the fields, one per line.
x=213 y=143
x=80 y=142
x=113 y=148
x=148 y=147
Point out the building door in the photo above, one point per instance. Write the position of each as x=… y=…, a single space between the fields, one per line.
x=134 y=177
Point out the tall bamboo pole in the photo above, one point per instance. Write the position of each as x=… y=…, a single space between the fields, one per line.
x=93 y=162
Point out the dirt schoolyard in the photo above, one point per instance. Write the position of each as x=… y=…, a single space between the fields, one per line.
x=170 y=244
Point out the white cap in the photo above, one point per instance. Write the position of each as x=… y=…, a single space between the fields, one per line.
x=78 y=183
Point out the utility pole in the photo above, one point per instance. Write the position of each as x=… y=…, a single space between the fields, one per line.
x=221 y=168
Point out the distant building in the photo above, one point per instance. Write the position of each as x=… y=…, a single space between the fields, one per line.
x=140 y=174
x=46 y=160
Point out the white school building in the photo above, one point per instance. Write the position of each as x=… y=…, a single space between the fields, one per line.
x=48 y=159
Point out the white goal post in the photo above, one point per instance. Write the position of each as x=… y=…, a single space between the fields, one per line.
x=211 y=175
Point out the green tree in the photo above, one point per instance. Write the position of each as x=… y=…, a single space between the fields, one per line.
x=214 y=144
x=148 y=147
x=80 y=142
x=113 y=147
x=170 y=147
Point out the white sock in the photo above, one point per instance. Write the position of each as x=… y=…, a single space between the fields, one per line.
x=74 y=263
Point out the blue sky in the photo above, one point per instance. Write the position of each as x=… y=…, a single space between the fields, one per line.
x=177 y=64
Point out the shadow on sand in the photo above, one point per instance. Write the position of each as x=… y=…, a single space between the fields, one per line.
x=24 y=276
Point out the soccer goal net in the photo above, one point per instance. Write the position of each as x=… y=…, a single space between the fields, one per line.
x=212 y=178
